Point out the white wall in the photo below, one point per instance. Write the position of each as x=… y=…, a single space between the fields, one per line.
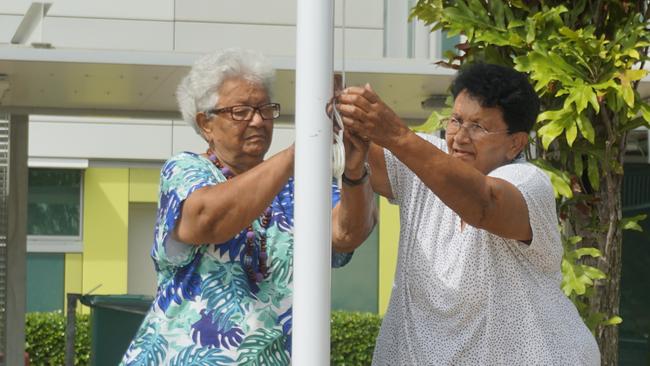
x=122 y=139
x=141 y=275
x=193 y=25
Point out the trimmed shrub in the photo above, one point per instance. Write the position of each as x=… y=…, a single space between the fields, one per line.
x=353 y=338
x=352 y=342
x=45 y=339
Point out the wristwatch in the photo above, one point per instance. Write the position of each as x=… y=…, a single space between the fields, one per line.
x=356 y=182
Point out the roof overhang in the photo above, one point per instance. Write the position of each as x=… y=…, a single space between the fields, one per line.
x=142 y=84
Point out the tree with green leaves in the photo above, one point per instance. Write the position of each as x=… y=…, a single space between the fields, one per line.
x=585 y=59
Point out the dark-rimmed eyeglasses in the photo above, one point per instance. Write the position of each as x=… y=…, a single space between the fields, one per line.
x=245 y=113
x=474 y=130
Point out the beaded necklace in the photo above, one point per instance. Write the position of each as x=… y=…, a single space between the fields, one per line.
x=262 y=272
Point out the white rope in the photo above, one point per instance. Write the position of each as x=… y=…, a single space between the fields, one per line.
x=338 y=149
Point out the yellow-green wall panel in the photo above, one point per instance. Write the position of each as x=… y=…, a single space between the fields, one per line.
x=72 y=276
x=106 y=211
x=388 y=244
x=143 y=185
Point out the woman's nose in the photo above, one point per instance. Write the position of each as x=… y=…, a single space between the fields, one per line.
x=462 y=134
x=257 y=118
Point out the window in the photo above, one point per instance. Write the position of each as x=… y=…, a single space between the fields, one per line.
x=637 y=149
x=54 y=210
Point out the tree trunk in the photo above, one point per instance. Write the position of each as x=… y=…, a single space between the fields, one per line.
x=606 y=295
x=607 y=292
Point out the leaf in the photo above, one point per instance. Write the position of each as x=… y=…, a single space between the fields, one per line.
x=581 y=95
x=226 y=291
x=571 y=134
x=613 y=320
x=560 y=186
x=586 y=128
x=633 y=75
x=632 y=223
x=574 y=240
x=592 y=252
x=193 y=356
x=549 y=132
x=432 y=124
x=570 y=282
x=559 y=180
x=592 y=272
x=626 y=79
x=264 y=347
x=516 y=23
x=153 y=346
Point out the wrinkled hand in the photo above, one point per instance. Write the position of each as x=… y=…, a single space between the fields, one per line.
x=367 y=116
x=356 y=154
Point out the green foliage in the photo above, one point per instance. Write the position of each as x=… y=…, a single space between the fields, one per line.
x=45 y=339
x=585 y=60
x=353 y=338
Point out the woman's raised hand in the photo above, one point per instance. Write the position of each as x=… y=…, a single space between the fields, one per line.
x=366 y=115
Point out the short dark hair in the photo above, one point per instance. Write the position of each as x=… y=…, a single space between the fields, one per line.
x=501 y=87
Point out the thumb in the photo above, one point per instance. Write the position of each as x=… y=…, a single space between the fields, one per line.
x=369 y=87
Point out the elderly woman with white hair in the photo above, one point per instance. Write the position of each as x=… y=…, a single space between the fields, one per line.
x=223 y=241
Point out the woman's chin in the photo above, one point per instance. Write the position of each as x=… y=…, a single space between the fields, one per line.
x=258 y=150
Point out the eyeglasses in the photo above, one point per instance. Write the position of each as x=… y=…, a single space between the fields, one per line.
x=474 y=130
x=245 y=113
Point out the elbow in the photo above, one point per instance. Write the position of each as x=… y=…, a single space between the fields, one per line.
x=206 y=228
x=348 y=240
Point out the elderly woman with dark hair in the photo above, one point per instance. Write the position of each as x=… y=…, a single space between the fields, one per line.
x=478 y=270
x=223 y=241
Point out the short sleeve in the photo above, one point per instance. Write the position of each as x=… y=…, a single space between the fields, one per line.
x=400 y=176
x=545 y=250
x=180 y=176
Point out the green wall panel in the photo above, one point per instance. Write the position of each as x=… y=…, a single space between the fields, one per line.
x=45 y=278
x=355 y=287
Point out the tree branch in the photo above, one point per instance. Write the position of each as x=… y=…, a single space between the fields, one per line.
x=598 y=14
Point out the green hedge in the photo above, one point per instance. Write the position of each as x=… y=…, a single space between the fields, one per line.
x=353 y=338
x=45 y=339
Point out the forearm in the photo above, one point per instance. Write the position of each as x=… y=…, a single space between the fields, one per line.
x=460 y=186
x=219 y=212
x=354 y=217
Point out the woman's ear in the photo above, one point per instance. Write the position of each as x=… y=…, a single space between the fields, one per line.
x=519 y=142
x=203 y=122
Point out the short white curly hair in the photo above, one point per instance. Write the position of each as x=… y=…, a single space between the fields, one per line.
x=197 y=91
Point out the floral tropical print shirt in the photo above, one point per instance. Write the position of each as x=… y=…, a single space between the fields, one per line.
x=206 y=311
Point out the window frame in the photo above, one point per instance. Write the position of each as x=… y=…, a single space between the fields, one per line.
x=60 y=243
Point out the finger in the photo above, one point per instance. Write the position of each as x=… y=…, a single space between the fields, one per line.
x=353 y=90
x=354 y=106
x=370 y=94
x=354 y=126
x=329 y=108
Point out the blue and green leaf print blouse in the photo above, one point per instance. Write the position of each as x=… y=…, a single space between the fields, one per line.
x=206 y=311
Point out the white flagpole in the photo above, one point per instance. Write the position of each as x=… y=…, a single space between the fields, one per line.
x=313 y=207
